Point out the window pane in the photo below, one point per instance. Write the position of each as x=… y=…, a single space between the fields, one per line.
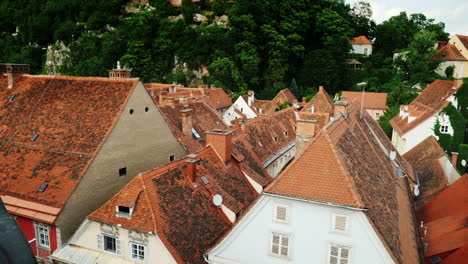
x=275 y=239
x=275 y=249
x=284 y=251
x=334 y=251
x=333 y=260
x=285 y=241
x=343 y=261
x=344 y=252
x=109 y=243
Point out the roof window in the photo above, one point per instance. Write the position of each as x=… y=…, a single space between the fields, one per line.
x=275 y=139
x=123 y=172
x=195 y=133
x=12 y=98
x=34 y=137
x=205 y=180
x=43 y=187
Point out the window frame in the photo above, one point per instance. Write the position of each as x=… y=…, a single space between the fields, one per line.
x=280 y=245
x=339 y=246
x=44 y=227
x=145 y=251
x=442 y=128
x=333 y=223
x=104 y=243
x=275 y=211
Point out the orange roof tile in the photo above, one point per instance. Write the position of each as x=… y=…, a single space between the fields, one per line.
x=219 y=98
x=322 y=103
x=283 y=96
x=50 y=107
x=350 y=166
x=448 y=53
x=446 y=234
x=371 y=100
x=425 y=160
x=430 y=102
x=360 y=40
x=458 y=256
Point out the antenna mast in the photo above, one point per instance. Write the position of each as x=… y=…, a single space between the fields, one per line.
x=362 y=100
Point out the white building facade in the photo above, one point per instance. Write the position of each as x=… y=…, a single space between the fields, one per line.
x=281 y=229
x=241 y=106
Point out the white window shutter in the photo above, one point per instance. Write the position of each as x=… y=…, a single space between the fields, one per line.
x=341 y=222
x=118 y=250
x=281 y=213
x=99 y=241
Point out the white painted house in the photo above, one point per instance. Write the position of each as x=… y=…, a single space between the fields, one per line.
x=416 y=121
x=343 y=200
x=361 y=45
x=248 y=107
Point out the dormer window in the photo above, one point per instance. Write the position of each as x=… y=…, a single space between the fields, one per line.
x=285 y=133
x=275 y=139
x=124 y=211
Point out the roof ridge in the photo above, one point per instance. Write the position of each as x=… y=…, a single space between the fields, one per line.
x=91 y=78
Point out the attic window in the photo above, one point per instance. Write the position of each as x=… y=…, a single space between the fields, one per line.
x=171 y=158
x=281 y=213
x=43 y=187
x=275 y=139
x=123 y=209
x=131 y=111
x=34 y=137
x=444 y=129
x=285 y=133
x=340 y=223
x=123 y=172
x=146 y=109
x=12 y=98
x=195 y=133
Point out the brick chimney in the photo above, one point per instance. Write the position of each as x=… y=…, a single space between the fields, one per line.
x=119 y=72
x=184 y=100
x=186 y=122
x=170 y=101
x=454 y=158
x=250 y=98
x=221 y=141
x=192 y=169
x=13 y=71
x=340 y=107
x=305 y=131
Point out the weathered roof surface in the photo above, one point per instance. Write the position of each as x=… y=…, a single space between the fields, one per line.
x=347 y=163
x=204 y=118
x=448 y=53
x=219 y=98
x=182 y=214
x=322 y=103
x=430 y=102
x=71 y=121
x=425 y=160
x=371 y=100
x=322 y=119
x=360 y=40
x=446 y=234
x=283 y=96
x=464 y=40
x=261 y=107
x=458 y=256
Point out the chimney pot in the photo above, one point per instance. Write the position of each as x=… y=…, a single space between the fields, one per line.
x=454 y=158
x=192 y=169
x=221 y=141
x=340 y=107
x=305 y=131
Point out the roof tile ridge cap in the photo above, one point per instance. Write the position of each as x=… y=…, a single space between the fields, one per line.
x=291 y=165
x=347 y=177
x=145 y=193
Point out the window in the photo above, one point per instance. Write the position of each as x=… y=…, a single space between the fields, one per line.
x=365 y=51
x=122 y=172
x=275 y=139
x=436 y=260
x=286 y=133
x=280 y=245
x=109 y=244
x=42 y=235
x=281 y=213
x=340 y=223
x=131 y=111
x=146 y=109
x=171 y=158
x=377 y=115
x=444 y=129
x=338 y=254
x=124 y=209
x=138 y=252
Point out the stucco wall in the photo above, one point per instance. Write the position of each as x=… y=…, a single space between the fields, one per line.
x=373 y=113
x=278 y=165
x=140 y=141
x=359 y=49
x=460 y=68
x=155 y=249
x=241 y=105
x=310 y=234
x=456 y=41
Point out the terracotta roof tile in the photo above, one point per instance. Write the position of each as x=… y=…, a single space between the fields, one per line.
x=446 y=234
x=425 y=160
x=430 y=102
x=71 y=121
x=322 y=103
x=360 y=40
x=350 y=165
x=448 y=53
x=219 y=98
x=284 y=96
x=371 y=100
x=458 y=256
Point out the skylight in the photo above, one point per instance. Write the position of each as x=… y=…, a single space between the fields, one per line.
x=205 y=180
x=195 y=133
x=34 y=137
x=43 y=187
x=12 y=98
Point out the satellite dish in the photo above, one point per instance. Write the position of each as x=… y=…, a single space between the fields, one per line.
x=416 y=190
x=217 y=200
x=392 y=155
x=399 y=172
x=463 y=163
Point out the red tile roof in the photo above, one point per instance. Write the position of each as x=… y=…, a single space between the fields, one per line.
x=446 y=234
x=346 y=164
x=183 y=215
x=371 y=100
x=71 y=121
x=261 y=107
x=322 y=119
x=430 y=102
x=425 y=160
x=283 y=96
x=448 y=53
x=464 y=40
x=458 y=256
x=322 y=103
x=219 y=98
x=360 y=40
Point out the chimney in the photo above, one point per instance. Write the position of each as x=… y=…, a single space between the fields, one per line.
x=250 y=98
x=304 y=99
x=187 y=122
x=13 y=71
x=458 y=82
x=184 y=100
x=213 y=86
x=221 y=141
x=454 y=159
x=119 y=72
x=170 y=101
x=192 y=169
x=340 y=107
x=305 y=131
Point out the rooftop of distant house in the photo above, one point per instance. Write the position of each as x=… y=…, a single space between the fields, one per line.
x=448 y=53
x=361 y=40
x=320 y=103
x=371 y=100
x=464 y=40
x=430 y=102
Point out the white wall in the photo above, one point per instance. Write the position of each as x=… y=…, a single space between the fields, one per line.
x=359 y=48
x=241 y=105
x=310 y=231
x=278 y=165
x=86 y=237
